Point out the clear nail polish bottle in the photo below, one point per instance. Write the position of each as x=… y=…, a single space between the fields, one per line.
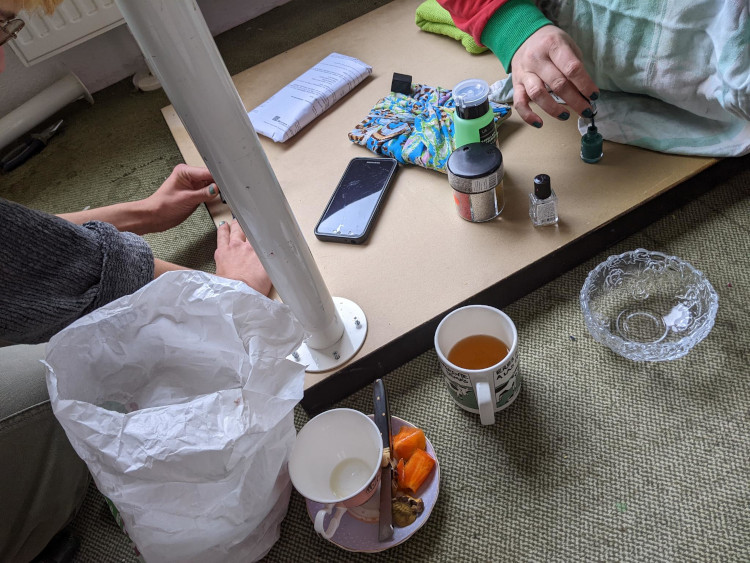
x=542 y=202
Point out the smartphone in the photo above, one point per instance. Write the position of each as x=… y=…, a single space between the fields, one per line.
x=354 y=205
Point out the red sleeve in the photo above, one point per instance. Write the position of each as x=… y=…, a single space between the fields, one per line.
x=471 y=15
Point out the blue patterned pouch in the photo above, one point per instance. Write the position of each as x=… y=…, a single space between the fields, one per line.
x=415 y=129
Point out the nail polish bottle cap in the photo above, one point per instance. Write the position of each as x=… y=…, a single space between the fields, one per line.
x=542 y=186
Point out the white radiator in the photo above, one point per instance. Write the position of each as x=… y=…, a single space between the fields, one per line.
x=74 y=22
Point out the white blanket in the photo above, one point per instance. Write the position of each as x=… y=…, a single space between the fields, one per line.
x=674 y=76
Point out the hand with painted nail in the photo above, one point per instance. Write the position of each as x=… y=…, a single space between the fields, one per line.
x=180 y=194
x=236 y=258
x=550 y=60
x=175 y=200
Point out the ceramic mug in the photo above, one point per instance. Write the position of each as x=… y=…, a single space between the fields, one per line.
x=336 y=461
x=484 y=391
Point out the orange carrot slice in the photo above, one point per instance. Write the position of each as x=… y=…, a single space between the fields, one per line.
x=407 y=441
x=416 y=470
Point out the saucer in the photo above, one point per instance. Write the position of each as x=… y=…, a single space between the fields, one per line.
x=358 y=535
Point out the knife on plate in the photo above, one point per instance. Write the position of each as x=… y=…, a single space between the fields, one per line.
x=383 y=421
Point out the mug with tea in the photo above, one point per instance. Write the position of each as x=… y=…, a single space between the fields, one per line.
x=477 y=346
x=335 y=461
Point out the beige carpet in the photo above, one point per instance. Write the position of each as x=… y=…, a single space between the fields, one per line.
x=599 y=459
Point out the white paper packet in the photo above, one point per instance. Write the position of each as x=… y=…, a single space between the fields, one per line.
x=285 y=113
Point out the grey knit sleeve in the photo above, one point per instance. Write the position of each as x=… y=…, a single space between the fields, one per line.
x=52 y=272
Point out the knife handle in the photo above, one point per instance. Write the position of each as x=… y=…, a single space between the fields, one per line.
x=382 y=415
x=21 y=154
x=383 y=422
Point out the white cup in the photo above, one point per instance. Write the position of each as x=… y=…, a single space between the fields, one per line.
x=484 y=391
x=336 y=461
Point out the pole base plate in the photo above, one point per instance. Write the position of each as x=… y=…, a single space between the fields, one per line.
x=355 y=331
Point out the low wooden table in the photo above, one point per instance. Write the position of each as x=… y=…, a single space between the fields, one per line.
x=422 y=259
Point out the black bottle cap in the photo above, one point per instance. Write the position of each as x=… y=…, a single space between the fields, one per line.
x=471 y=98
x=401 y=83
x=475 y=160
x=472 y=112
x=542 y=186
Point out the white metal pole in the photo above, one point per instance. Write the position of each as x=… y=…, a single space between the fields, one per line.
x=181 y=52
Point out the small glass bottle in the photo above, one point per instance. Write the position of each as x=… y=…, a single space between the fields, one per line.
x=542 y=202
x=591 y=145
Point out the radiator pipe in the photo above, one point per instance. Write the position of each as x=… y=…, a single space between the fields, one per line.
x=45 y=104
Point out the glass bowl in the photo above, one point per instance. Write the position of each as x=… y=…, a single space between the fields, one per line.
x=648 y=306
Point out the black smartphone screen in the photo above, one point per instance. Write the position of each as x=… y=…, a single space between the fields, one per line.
x=352 y=208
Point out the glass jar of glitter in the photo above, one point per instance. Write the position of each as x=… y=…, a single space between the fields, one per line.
x=475 y=172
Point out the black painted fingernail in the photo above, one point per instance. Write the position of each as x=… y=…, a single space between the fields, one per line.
x=537 y=124
x=563 y=116
x=594 y=96
x=587 y=113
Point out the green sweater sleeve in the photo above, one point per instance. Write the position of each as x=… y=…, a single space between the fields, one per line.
x=510 y=26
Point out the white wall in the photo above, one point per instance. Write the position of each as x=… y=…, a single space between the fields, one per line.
x=110 y=57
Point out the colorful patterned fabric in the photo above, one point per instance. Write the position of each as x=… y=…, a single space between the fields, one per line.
x=415 y=129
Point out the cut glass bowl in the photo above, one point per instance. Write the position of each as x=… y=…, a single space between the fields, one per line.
x=648 y=306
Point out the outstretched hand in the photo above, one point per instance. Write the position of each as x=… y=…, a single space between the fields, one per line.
x=184 y=190
x=180 y=194
x=236 y=258
x=550 y=58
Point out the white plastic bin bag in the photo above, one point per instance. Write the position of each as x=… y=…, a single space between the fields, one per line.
x=180 y=400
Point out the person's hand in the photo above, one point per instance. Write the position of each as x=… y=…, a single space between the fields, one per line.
x=180 y=194
x=550 y=58
x=236 y=258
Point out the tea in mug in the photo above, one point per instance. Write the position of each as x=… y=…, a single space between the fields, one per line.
x=479 y=351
